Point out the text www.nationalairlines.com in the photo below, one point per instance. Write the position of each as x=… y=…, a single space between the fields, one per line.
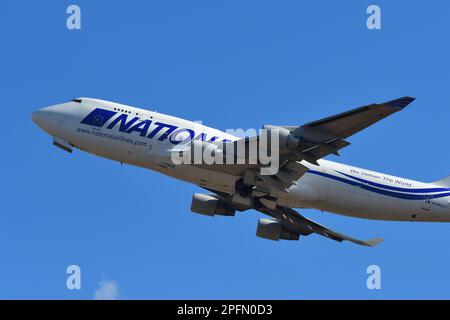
x=111 y=136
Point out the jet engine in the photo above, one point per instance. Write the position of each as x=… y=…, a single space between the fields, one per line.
x=273 y=229
x=286 y=138
x=210 y=205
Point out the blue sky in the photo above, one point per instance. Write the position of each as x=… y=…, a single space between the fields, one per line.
x=231 y=64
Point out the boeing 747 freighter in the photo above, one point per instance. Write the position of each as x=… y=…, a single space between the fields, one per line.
x=302 y=179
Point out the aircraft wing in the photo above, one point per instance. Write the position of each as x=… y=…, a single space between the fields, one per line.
x=309 y=142
x=297 y=223
x=345 y=124
x=327 y=136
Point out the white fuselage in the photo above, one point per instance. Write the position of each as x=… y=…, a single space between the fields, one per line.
x=146 y=139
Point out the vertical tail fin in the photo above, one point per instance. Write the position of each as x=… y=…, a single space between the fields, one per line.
x=443 y=182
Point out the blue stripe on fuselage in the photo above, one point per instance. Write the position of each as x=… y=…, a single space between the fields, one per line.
x=380 y=191
x=379 y=185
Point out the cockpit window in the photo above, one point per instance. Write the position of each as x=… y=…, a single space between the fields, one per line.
x=77 y=100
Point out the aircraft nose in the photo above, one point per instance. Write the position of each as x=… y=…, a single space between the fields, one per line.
x=43 y=118
x=49 y=119
x=36 y=116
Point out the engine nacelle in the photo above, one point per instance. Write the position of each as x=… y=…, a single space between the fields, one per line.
x=272 y=229
x=286 y=138
x=210 y=206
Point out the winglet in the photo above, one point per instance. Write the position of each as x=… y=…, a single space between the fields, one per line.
x=399 y=103
x=373 y=242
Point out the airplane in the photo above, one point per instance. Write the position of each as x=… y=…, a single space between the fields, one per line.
x=304 y=180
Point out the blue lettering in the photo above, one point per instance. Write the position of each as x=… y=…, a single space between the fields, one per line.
x=141 y=127
x=99 y=117
x=159 y=126
x=124 y=125
x=173 y=136
x=202 y=137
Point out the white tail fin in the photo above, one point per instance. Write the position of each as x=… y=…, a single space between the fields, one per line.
x=444 y=182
